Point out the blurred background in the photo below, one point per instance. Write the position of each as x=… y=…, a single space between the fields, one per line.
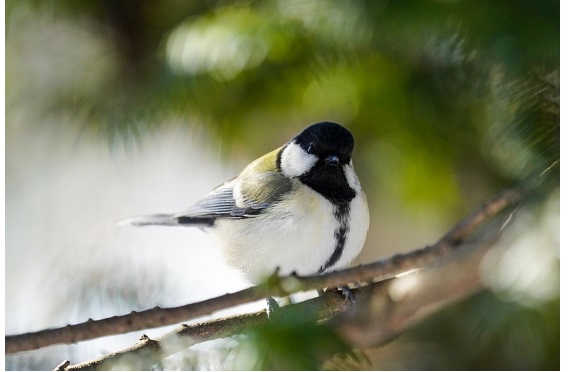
x=121 y=107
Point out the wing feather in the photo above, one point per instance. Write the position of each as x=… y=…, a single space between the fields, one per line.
x=255 y=190
x=254 y=196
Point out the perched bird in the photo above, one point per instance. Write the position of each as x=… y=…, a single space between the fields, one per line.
x=298 y=209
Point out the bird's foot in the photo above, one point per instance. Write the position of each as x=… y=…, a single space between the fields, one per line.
x=344 y=291
x=348 y=294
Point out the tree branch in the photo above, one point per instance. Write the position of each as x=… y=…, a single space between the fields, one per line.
x=373 y=272
x=393 y=306
x=147 y=352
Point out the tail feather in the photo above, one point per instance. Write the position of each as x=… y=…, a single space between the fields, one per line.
x=167 y=220
x=150 y=220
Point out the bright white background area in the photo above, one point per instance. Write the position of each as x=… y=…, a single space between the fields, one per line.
x=67 y=260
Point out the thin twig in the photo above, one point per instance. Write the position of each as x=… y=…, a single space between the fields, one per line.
x=146 y=352
x=392 y=307
x=62 y=366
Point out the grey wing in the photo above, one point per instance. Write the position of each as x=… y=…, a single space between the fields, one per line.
x=256 y=194
x=220 y=203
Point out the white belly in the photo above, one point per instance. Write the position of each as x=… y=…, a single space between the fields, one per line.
x=293 y=237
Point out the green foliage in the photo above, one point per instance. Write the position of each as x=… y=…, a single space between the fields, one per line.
x=487 y=333
x=290 y=341
x=428 y=87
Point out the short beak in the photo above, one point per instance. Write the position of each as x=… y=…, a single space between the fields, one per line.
x=332 y=160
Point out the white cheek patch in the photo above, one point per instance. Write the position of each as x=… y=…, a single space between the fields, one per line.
x=351 y=177
x=295 y=161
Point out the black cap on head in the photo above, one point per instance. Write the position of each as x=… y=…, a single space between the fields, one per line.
x=325 y=139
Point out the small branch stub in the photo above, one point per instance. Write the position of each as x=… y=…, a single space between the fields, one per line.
x=62 y=366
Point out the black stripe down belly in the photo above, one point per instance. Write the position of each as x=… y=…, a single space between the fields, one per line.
x=342 y=214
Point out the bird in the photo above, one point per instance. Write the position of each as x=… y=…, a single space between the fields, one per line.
x=299 y=209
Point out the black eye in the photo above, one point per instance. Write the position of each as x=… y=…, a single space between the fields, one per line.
x=311 y=149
